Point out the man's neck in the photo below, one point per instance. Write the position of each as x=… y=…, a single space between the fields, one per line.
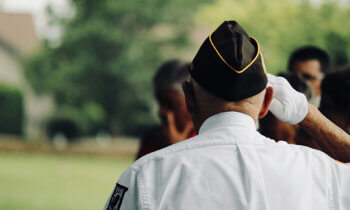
x=248 y=110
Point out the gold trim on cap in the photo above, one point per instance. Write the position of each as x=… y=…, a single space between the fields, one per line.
x=263 y=63
x=237 y=71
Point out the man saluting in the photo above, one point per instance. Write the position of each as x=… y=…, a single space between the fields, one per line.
x=229 y=165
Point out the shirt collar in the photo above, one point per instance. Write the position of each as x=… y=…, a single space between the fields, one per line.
x=225 y=119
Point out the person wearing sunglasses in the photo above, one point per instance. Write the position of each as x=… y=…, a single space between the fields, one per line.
x=310 y=63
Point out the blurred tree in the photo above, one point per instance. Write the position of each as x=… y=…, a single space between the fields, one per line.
x=281 y=26
x=337 y=47
x=11 y=110
x=107 y=55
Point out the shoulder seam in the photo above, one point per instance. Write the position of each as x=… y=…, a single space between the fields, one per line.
x=143 y=193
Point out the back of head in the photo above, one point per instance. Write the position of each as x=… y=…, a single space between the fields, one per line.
x=171 y=74
x=227 y=74
x=310 y=53
x=229 y=64
x=335 y=92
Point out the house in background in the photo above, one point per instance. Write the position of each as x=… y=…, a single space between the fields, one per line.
x=18 y=38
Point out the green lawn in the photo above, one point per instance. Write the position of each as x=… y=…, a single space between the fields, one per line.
x=48 y=181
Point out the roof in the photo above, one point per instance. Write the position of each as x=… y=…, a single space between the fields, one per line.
x=17 y=31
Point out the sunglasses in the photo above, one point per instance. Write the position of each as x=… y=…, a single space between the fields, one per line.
x=309 y=77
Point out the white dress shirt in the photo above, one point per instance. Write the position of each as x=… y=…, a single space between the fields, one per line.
x=229 y=165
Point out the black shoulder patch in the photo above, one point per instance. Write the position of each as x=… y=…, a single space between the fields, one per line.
x=117 y=197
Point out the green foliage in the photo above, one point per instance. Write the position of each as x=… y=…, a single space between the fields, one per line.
x=337 y=46
x=108 y=54
x=281 y=26
x=74 y=122
x=11 y=110
x=65 y=126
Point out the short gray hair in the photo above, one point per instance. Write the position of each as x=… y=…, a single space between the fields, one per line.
x=207 y=100
x=171 y=74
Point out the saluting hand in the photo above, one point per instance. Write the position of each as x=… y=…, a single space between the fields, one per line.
x=288 y=105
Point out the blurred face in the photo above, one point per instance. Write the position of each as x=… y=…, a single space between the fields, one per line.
x=170 y=100
x=310 y=71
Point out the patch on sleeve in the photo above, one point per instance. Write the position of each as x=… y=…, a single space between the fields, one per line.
x=117 y=197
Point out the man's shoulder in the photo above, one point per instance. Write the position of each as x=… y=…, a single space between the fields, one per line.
x=199 y=145
x=285 y=149
x=169 y=152
x=194 y=146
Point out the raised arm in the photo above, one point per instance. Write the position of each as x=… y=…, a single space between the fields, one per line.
x=333 y=140
x=291 y=106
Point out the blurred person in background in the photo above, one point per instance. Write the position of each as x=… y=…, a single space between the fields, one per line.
x=306 y=68
x=335 y=104
x=310 y=63
x=274 y=128
x=335 y=101
x=176 y=124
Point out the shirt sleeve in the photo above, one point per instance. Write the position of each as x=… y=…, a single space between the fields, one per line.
x=126 y=193
x=340 y=185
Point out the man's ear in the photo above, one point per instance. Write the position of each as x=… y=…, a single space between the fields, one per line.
x=267 y=101
x=190 y=98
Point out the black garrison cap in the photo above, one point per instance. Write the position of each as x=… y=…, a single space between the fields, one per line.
x=229 y=64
